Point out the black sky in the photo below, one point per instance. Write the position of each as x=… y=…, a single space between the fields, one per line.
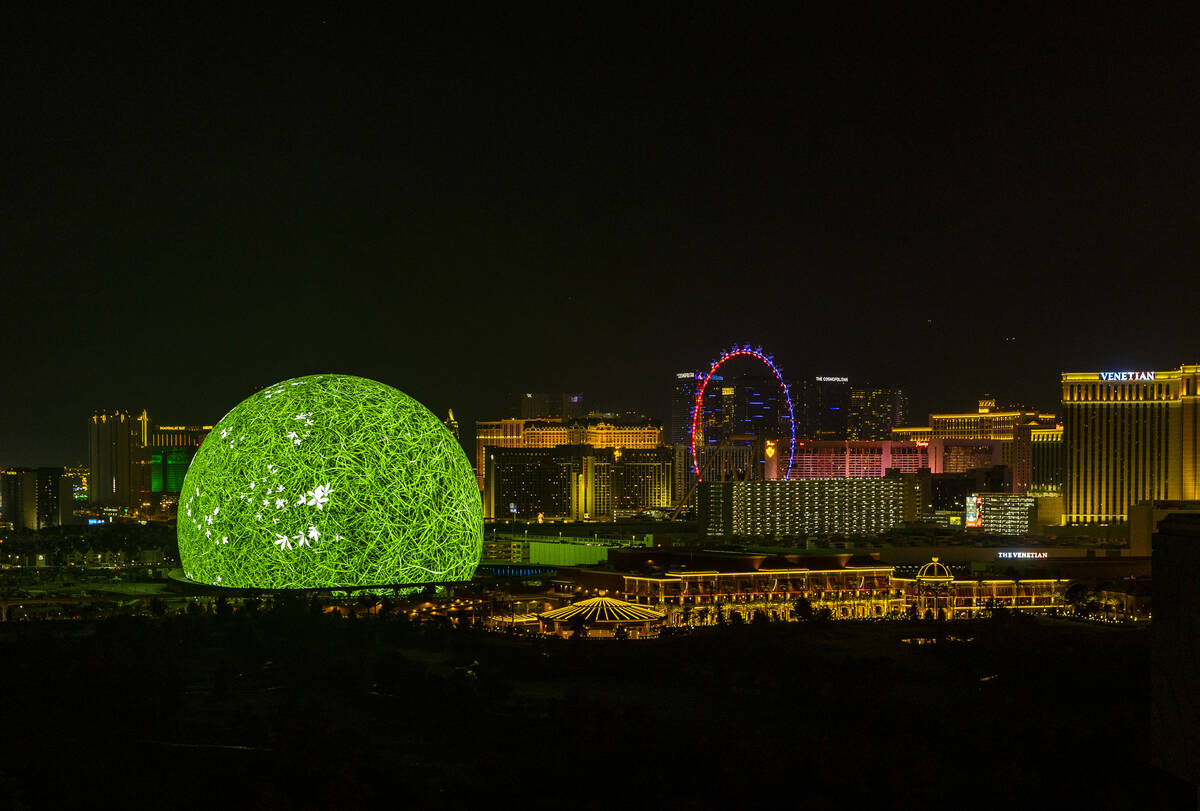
x=462 y=207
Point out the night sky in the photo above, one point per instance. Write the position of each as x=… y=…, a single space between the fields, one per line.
x=465 y=207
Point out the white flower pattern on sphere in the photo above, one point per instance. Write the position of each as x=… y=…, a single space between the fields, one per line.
x=319 y=497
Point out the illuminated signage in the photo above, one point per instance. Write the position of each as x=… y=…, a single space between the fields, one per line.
x=833 y=380
x=1122 y=376
x=974 y=514
x=1022 y=555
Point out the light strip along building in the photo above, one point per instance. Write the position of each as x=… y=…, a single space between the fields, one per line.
x=1129 y=436
x=802 y=507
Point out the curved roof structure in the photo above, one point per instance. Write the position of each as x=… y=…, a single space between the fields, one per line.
x=935 y=571
x=601 y=610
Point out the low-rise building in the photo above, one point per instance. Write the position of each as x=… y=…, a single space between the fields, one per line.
x=849 y=586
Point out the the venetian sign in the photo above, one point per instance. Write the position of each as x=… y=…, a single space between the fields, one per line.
x=1022 y=555
x=1122 y=376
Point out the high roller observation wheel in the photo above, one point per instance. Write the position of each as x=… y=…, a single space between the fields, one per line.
x=698 y=408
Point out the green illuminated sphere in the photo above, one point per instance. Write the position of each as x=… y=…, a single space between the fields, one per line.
x=329 y=480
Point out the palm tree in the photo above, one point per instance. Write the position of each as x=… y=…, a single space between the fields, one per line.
x=367 y=601
x=1077 y=596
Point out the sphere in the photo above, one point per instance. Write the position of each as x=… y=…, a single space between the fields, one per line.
x=326 y=481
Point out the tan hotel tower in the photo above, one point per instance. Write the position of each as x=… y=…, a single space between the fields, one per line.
x=1129 y=436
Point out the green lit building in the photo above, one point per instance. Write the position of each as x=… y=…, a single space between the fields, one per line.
x=171 y=448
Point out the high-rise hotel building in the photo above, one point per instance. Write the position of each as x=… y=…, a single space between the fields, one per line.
x=551 y=433
x=1129 y=436
x=575 y=482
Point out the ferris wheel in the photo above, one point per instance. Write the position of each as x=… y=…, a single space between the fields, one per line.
x=746 y=351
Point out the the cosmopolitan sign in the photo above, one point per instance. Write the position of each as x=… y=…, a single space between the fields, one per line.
x=1022 y=555
x=1121 y=376
x=833 y=380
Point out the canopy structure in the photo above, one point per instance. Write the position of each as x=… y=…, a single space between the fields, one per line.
x=514 y=619
x=602 y=616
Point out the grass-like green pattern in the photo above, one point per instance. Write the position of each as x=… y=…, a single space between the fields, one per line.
x=329 y=480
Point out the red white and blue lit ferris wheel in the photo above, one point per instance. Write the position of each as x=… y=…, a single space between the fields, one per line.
x=698 y=409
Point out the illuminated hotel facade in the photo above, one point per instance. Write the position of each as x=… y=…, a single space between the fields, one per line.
x=875 y=411
x=1046 y=459
x=521 y=433
x=118 y=469
x=853 y=460
x=802 y=507
x=989 y=422
x=575 y=482
x=1012 y=427
x=1129 y=436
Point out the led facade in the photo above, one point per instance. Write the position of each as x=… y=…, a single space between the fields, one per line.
x=329 y=480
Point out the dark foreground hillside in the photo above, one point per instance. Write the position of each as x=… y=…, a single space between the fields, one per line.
x=291 y=709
